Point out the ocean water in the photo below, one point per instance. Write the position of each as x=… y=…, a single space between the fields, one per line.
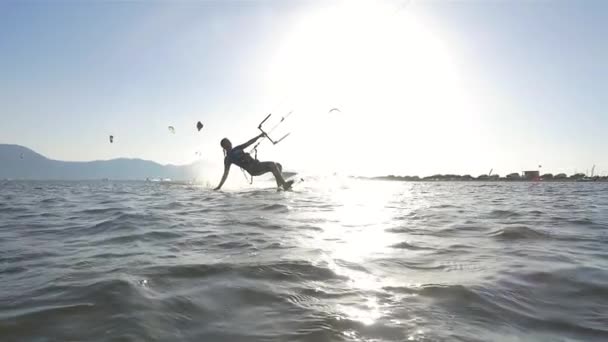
x=334 y=260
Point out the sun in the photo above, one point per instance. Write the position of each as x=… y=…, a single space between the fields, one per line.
x=389 y=70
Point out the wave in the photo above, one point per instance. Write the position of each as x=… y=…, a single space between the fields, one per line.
x=234 y=245
x=173 y=205
x=106 y=210
x=275 y=207
x=13 y=210
x=421 y=265
x=444 y=206
x=10 y=270
x=457 y=293
x=286 y=271
x=502 y=214
x=124 y=222
x=406 y=245
x=582 y=222
x=537 y=296
x=308 y=227
x=53 y=200
x=147 y=236
x=459 y=228
x=519 y=233
x=490 y=304
x=402 y=230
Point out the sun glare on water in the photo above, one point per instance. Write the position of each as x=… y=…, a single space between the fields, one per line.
x=387 y=69
x=353 y=235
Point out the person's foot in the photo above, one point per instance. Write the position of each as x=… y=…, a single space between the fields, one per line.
x=287 y=185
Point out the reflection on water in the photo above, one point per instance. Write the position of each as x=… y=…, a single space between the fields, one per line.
x=355 y=233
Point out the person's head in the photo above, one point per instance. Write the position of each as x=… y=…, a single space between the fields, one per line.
x=226 y=144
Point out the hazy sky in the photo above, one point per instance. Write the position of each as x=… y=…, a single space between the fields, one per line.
x=424 y=87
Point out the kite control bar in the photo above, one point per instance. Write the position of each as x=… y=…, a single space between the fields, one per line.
x=261 y=123
x=266 y=134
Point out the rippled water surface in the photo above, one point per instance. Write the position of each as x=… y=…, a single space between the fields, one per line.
x=334 y=260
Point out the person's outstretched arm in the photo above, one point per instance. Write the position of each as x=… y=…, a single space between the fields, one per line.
x=247 y=144
x=225 y=176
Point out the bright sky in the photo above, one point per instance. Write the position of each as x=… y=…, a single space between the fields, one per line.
x=423 y=87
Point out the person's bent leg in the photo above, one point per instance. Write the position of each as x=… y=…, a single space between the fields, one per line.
x=276 y=171
x=264 y=167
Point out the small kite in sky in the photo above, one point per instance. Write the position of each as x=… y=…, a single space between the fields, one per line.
x=334 y=110
x=111 y=139
x=21 y=156
x=199 y=126
x=172 y=129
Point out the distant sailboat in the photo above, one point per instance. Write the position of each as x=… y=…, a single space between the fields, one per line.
x=587 y=178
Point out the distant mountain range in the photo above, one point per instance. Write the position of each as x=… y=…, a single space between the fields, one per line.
x=18 y=162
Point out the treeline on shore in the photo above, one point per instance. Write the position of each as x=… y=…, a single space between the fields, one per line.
x=577 y=177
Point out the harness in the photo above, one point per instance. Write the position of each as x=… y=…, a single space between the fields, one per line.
x=241 y=159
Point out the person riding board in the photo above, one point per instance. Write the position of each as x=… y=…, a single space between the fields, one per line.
x=239 y=157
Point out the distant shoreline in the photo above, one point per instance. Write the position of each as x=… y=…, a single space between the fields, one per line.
x=488 y=179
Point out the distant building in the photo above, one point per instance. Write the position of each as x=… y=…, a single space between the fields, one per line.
x=532 y=175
